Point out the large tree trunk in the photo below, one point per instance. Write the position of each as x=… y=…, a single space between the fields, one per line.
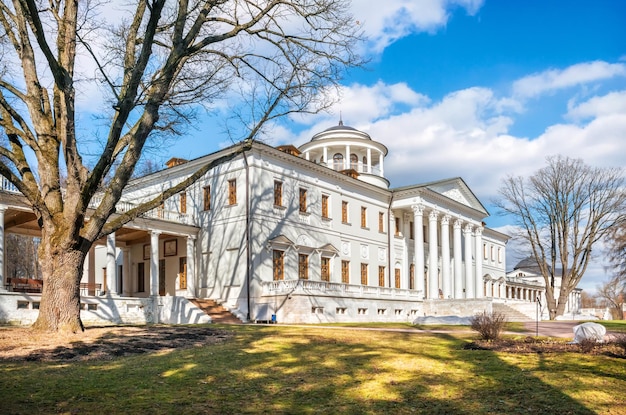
x=62 y=270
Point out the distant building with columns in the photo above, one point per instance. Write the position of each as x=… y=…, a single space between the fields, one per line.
x=303 y=234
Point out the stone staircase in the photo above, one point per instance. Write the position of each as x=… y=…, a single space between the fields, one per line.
x=511 y=313
x=217 y=312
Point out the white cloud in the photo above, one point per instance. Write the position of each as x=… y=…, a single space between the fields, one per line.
x=555 y=79
x=391 y=20
x=610 y=104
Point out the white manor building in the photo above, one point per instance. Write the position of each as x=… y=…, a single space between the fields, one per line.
x=296 y=235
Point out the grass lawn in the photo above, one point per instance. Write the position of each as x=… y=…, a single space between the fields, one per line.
x=312 y=370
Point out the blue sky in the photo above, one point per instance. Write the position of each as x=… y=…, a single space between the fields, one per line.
x=477 y=89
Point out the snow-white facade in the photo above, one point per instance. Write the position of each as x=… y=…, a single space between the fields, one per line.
x=299 y=235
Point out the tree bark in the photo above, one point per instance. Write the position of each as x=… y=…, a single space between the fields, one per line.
x=62 y=270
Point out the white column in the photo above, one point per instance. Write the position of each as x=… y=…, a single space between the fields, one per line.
x=346 y=161
x=406 y=225
x=3 y=208
x=154 y=263
x=433 y=276
x=191 y=267
x=382 y=168
x=91 y=270
x=469 y=280
x=418 y=224
x=369 y=160
x=110 y=266
x=127 y=288
x=458 y=261
x=478 y=234
x=326 y=155
x=446 y=280
x=306 y=155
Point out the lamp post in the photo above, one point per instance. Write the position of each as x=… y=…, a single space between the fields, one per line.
x=537 y=320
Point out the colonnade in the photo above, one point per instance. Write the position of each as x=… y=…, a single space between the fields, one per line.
x=126 y=289
x=461 y=279
x=347 y=163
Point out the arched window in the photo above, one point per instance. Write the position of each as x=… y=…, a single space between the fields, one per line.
x=354 y=161
x=365 y=164
x=338 y=161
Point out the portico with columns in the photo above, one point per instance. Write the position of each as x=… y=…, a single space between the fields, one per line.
x=444 y=244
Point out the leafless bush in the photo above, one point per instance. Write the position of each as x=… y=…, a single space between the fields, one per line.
x=488 y=325
x=587 y=345
x=619 y=339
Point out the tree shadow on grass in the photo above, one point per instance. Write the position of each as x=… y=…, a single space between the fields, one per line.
x=292 y=370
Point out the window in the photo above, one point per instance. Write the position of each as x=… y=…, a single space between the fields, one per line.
x=325 y=269
x=412 y=277
x=485 y=255
x=279 y=265
x=278 y=193
x=363 y=217
x=183 y=202
x=302 y=200
x=397 y=277
x=345 y=272
x=232 y=192
x=381 y=222
x=411 y=231
x=338 y=161
x=325 y=206
x=363 y=274
x=493 y=254
x=354 y=161
x=206 y=197
x=381 y=276
x=500 y=255
x=344 y=212
x=397 y=222
x=141 y=279
x=303 y=266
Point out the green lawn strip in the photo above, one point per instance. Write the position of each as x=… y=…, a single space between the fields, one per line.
x=614 y=325
x=283 y=369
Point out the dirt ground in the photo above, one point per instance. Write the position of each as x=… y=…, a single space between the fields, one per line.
x=102 y=343
x=110 y=342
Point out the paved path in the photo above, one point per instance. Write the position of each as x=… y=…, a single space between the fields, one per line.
x=563 y=329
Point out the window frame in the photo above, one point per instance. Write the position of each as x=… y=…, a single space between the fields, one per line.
x=325 y=205
x=364 y=273
x=325 y=269
x=302 y=200
x=182 y=198
x=278 y=265
x=206 y=198
x=303 y=266
x=364 y=217
x=344 y=212
x=278 y=193
x=232 y=192
x=345 y=271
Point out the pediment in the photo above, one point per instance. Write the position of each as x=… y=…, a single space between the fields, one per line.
x=457 y=190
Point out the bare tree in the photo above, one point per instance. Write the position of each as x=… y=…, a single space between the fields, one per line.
x=616 y=241
x=563 y=209
x=156 y=65
x=587 y=300
x=613 y=292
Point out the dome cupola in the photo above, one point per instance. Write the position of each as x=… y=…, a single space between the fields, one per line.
x=346 y=149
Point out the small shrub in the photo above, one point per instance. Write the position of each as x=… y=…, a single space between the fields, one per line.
x=488 y=325
x=587 y=345
x=620 y=340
